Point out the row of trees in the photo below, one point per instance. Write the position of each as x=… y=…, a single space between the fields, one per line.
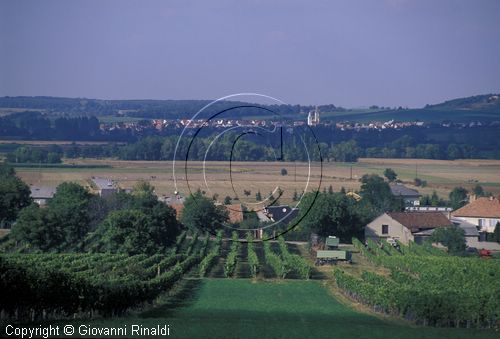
x=26 y=154
x=250 y=149
x=349 y=151
x=34 y=125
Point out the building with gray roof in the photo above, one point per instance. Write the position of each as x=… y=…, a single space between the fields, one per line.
x=42 y=194
x=410 y=196
x=105 y=187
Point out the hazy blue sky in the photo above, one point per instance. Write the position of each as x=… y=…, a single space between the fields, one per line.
x=350 y=53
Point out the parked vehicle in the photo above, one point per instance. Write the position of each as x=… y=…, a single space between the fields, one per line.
x=331 y=254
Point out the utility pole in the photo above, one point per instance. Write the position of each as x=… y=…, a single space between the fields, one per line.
x=351 y=172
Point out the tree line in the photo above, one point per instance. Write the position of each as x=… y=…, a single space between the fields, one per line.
x=163 y=148
x=36 y=126
x=26 y=154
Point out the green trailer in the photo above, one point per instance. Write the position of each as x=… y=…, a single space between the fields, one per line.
x=332 y=242
x=331 y=256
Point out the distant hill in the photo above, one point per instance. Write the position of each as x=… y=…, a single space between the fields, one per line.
x=486 y=102
x=153 y=109
x=423 y=114
x=475 y=108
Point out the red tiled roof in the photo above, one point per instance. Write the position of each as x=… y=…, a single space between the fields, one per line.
x=420 y=220
x=481 y=207
x=235 y=213
x=178 y=210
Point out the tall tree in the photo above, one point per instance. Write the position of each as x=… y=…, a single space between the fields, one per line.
x=458 y=197
x=333 y=214
x=164 y=227
x=496 y=233
x=451 y=237
x=390 y=174
x=143 y=196
x=478 y=190
x=378 y=193
x=35 y=231
x=14 y=195
x=434 y=199
x=125 y=231
x=201 y=213
x=62 y=225
x=69 y=208
x=258 y=196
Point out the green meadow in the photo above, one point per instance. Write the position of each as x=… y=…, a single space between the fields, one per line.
x=243 y=308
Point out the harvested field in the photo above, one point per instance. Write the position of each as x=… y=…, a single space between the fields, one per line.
x=441 y=175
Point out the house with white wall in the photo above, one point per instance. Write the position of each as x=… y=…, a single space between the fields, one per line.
x=483 y=212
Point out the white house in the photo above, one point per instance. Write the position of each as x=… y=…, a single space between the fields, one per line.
x=483 y=212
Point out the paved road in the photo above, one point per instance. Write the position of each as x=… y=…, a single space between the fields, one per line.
x=487 y=245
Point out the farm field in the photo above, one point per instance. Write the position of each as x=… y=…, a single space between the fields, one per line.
x=441 y=175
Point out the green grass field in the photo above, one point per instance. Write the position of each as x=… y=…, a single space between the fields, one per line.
x=242 y=308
